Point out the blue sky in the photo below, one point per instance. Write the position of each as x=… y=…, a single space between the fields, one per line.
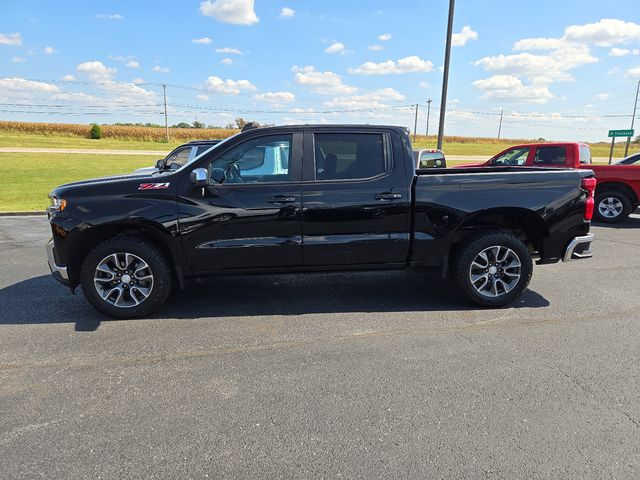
x=560 y=70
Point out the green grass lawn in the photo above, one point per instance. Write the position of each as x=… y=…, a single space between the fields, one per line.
x=27 y=178
x=58 y=141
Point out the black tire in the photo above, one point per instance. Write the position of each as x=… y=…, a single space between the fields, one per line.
x=157 y=288
x=500 y=277
x=620 y=206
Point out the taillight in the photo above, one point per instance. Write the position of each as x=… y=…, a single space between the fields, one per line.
x=589 y=184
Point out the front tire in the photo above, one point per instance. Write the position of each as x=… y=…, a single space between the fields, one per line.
x=612 y=207
x=492 y=269
x=125 y=277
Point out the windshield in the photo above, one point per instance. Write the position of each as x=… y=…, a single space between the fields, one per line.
x=517 y=156
x=199 y=153
x=585 y=155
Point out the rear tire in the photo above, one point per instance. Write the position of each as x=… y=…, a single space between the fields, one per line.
x=612 y=206
x=125 y=277
x=492 y=269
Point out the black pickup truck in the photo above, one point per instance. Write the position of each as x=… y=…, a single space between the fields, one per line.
x=314 y=198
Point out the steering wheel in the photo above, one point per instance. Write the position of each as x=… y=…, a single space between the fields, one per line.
x=233 y=174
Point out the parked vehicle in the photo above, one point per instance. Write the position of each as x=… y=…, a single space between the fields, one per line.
x=179 y=156
x=429 y=158
x=630 y=160
x=353 y=201
x=618 y=186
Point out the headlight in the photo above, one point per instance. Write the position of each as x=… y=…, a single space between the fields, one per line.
x=57 y=204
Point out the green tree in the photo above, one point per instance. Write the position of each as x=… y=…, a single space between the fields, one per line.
x=96 y=132
x=197 y=124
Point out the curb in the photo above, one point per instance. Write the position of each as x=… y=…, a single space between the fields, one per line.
x=21 y=214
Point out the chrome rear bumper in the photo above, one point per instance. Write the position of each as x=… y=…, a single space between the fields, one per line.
x=58 y=272
x=579 y=248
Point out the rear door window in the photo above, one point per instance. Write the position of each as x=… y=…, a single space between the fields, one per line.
x=347 y=156
x=550 y=156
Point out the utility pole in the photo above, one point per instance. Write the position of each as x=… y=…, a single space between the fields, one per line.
x=415 y=124
x=426 y=134
x=445 y=75
x=500 y=126
x=635 y=105
x=166 y=124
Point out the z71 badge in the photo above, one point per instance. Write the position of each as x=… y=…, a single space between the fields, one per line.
x=154 y=186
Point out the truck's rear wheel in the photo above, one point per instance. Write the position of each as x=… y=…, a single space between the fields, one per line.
x=125 y=277
x=612 y=206
x=493 y=269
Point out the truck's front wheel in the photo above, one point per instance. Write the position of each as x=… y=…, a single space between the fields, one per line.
x=492 y=269
x=125 y=277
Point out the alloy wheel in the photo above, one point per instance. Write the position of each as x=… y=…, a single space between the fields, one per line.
x=495 y=271
x=123 y=279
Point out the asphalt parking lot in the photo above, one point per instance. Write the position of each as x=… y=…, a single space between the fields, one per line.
x=360 y=375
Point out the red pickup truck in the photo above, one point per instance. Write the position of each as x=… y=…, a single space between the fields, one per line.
x=618 y=186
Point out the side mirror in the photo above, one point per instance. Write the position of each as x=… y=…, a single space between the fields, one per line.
x=159 y=163
x=198 y=177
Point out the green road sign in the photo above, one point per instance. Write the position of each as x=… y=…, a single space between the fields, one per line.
x=621 y=133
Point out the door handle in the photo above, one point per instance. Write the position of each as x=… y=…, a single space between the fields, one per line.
x=388 y=196
x=282 y=199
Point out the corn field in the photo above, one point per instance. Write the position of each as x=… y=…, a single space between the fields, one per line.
x=118 y=132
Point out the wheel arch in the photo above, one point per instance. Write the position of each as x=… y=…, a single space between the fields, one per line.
x=85 y=240
x=622 y=187
x=526 y=224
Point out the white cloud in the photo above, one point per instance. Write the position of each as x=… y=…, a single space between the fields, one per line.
x=623 y=52
x=50 y=50
x=634 y=72
x=14 y=39
x=97 y=71
x=375 y=48
x=22 y=85
x=237 y=12
x=424 y=84
x=68 y=78
x=287 y=12
x=327 y=83
x=132 y=64
x=404 y=65
x=229 y=51
x=302 y=110
x=466 y=34
x=17 y=59
x=540 y=68
x=275 y=97
x=202 y=41
x=619 y=52
x=385 y=37
x=603 y=96
x=335 y=48
x=202 y=97
x=160 y=69
x=137 y=81
x=226 y=61
x=539 y=44
x=110 y=16
x=604 y=33
x=228 y=87
x=511 y=88
x=374 y=99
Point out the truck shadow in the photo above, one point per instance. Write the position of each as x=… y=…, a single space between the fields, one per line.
x=631 y=222
x=40 y=300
